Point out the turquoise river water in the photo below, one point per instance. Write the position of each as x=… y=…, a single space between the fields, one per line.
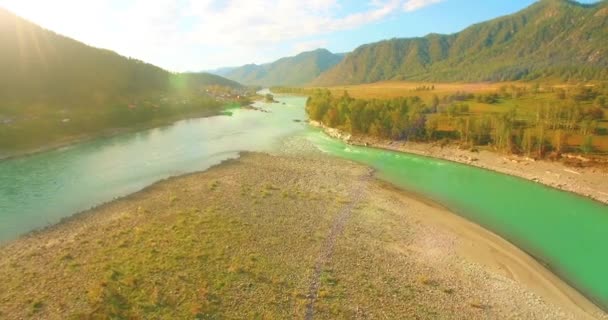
x=566 y=232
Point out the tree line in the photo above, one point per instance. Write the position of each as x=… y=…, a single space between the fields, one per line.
x=534 y=132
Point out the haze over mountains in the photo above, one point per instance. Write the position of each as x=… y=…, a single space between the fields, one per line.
x=550 y=39
x=558 y=39
x=53 y=88
x=290 y=71
x=40 y=66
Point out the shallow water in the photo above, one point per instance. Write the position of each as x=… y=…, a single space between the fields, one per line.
x=39 y=190
x=567 y=232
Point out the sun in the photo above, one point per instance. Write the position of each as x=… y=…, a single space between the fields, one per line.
x=51 y=14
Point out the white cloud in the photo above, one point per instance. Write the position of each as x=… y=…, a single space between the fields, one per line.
x=413 y=5
x=258 y=22
x=160 y=31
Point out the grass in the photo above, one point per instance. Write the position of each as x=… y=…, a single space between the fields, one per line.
x=193 y=256
x=214 y=185
x=37 y=306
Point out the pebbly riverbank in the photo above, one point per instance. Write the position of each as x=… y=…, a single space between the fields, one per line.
x=589 y=182
x=282 y=237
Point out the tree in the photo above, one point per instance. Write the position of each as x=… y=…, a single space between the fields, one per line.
x=331 y=118
x=527 y=142
x=374 y=130
x=559 y=140
x=600 y=102
x=540 y=136
x=269 y=97
x=430 y=128
x=587 y=146
x=434 y=103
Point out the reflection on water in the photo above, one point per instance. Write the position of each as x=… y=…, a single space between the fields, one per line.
x=39 y=190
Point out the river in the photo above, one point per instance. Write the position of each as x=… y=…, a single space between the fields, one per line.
x=566 y=232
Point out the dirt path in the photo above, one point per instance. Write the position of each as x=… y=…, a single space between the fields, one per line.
x=328 y=247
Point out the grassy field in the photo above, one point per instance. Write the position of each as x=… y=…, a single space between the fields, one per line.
x=396 y=89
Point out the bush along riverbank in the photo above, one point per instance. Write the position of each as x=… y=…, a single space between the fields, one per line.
x=406 y=125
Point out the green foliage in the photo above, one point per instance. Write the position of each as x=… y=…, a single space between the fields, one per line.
x=269 y=97
x=457 y=109
x=587 y=146
x=401 y=118
x=559 y=39
x=53 y=88
x=491 y=98
x=600 y=102
x=533 y=131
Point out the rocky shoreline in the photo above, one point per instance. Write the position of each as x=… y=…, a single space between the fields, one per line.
x=589 y=182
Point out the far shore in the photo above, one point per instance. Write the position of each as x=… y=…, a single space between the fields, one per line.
x=588 y=182
x=107 y=133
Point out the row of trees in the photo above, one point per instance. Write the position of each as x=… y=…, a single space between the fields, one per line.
x=411 y=118
x=400 y=118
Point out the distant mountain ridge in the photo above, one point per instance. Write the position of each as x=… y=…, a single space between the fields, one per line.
x=289 y=71
x=549 y=39
x=39 y=65
x=53 y=89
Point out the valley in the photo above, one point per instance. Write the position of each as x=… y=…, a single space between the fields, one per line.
x=366 y=160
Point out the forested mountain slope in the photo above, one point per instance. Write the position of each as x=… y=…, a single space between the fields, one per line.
x=289 y=71
x=52 y=87
x=550 y=39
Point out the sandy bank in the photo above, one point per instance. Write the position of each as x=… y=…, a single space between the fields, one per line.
x=588 y=182
x=277 y=237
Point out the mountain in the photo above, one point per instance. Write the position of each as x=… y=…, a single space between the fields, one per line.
x=200 y=79
x=37 y=64
x=52 y=86
x=221 y=71
x=549 y=39
x=289 y=71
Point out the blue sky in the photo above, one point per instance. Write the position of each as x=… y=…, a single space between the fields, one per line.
x=193 y=35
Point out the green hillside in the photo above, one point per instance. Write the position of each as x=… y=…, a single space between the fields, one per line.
x=289 y=71
x=53 y=88
x=558 y=39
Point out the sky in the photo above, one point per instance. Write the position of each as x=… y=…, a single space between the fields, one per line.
x=195 y=35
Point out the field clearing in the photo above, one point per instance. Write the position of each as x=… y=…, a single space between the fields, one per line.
x=395 y=89
x=526 y=105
